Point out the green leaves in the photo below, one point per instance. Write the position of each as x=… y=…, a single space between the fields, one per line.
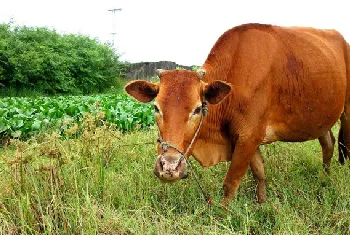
x=24 y=117
x=33 y=57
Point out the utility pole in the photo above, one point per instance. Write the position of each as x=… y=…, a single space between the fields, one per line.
x=114 y=10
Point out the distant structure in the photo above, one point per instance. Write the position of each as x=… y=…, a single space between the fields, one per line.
x=114 y=10
x=147 y=70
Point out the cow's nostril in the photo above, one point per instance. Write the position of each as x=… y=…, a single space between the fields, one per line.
x=161 y=164
x=183 y=175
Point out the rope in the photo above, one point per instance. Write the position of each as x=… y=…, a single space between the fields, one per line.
x=165 y=145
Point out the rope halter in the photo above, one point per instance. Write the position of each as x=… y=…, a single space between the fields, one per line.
x=165 y=146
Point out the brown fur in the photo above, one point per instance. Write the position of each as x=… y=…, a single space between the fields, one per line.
x=288 y=84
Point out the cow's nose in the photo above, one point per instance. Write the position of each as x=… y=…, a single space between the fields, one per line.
x=170 y=168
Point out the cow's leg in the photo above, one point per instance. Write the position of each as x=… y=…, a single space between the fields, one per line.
x=241 y=158
x=344 y=136
x=327 y=141
x=257 y=167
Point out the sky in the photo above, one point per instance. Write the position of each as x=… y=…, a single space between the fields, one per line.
x=182 y=31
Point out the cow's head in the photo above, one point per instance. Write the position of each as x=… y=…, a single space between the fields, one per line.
x=178 y=103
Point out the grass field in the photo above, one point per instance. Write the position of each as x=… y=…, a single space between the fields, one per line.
x=102 y=183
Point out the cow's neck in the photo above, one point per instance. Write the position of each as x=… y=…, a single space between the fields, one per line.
x=214 y=131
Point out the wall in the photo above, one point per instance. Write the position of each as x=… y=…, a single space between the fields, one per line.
x=147 y=70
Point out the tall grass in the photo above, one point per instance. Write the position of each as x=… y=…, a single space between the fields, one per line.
x=34 y=92
x=20 y=92
x=102 y=183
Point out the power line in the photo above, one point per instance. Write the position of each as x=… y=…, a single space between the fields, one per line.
x=114 y=10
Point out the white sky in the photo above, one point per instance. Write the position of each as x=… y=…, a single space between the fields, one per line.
x=182 y=31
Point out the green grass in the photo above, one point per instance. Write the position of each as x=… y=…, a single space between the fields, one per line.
x=20 y=92
x=102 y=183
x=34 y=92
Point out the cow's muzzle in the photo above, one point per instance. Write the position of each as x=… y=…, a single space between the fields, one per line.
x=170 y=168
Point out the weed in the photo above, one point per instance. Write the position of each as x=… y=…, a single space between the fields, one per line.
x=101 y=182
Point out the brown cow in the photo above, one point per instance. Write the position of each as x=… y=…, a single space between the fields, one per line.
x=263 y=84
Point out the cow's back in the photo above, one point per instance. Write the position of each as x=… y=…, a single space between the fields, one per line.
x=292 y=81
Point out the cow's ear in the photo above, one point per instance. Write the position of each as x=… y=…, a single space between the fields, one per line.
x=142 y=90
x=216 y=91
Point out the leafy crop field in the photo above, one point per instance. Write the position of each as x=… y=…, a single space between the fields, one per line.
x=24 y=117
x=101 y=182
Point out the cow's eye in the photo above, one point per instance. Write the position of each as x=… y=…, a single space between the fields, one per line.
x=197 y=110
x=156 y=109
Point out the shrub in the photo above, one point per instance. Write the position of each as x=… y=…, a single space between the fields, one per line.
x=43 y=59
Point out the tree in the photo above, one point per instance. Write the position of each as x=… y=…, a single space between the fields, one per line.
x=56 y=64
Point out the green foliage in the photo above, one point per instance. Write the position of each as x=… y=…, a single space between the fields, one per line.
x=20 y=92
x=24 y=117
x=102 y=183
x=65 y=64
x=195 y=68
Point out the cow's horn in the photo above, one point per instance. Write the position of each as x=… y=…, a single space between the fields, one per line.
x=201 y=73
x=159 y=72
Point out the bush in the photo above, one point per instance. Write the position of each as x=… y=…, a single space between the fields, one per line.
x=42 y=59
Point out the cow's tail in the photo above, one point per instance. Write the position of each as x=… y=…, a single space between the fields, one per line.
x=343 y=146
